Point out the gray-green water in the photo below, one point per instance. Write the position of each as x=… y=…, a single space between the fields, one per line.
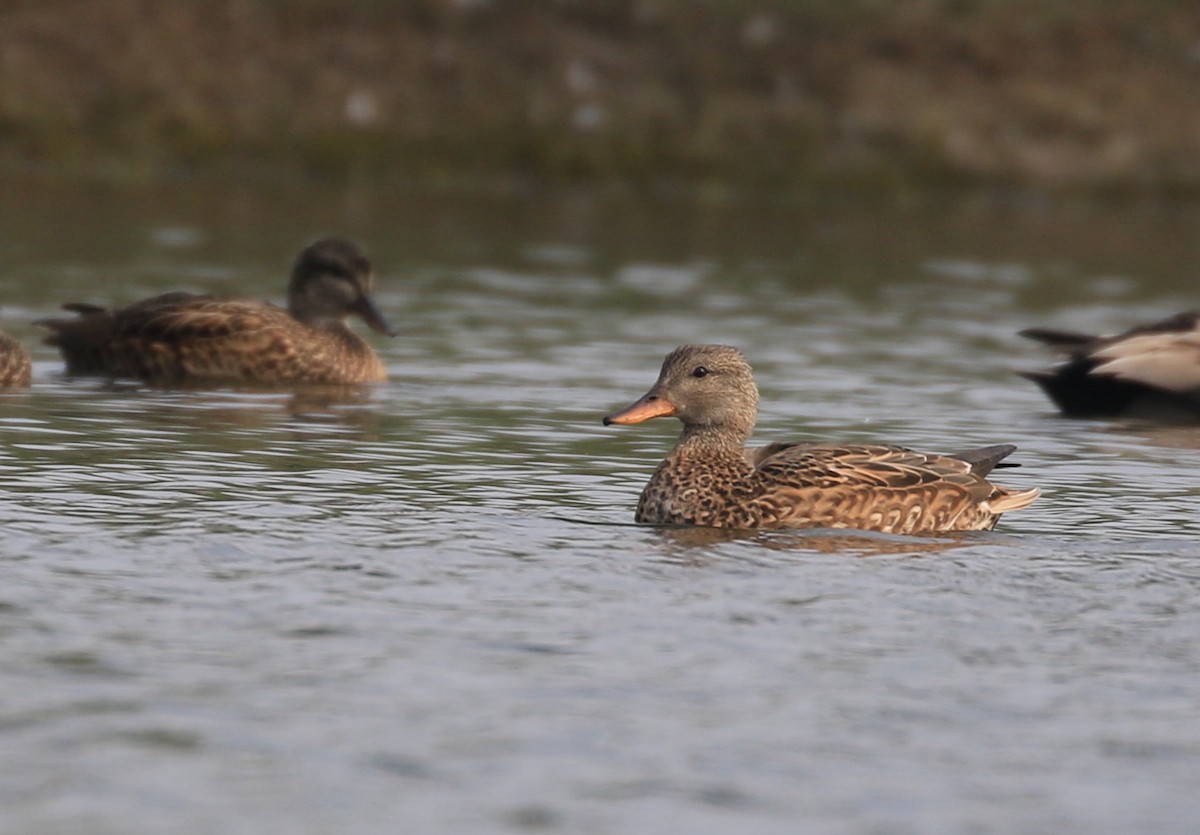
x=424 y=608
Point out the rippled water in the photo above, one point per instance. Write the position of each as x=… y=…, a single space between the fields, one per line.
x=424 y=608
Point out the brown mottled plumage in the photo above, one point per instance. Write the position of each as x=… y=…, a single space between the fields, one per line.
x=186 y=338
x=1151 y=371
x=15 y=369
x=711 y=479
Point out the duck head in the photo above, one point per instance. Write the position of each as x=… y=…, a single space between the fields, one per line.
x=705 y=386
x=332 y=280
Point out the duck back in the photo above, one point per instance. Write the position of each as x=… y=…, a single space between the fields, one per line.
x=178 y=337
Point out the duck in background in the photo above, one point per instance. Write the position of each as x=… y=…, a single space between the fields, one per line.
x=711 y=479
x=184 y=338
x=1151 y=371
x=15 y=368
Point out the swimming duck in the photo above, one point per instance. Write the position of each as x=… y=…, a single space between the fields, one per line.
x=15 y=369
x=1148 y=371
x=188 y=338
x=711 y=478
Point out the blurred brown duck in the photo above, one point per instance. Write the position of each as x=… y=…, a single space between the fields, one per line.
x=1150 y=371
x=187 y=338
x=711 y=479
x=15 y=369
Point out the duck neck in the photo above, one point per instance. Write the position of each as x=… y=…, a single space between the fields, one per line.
x=305 y=315
x=710 y=440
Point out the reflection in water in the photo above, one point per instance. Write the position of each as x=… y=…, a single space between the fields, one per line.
x=1172 y=436
x=855 y=543
x=206 y=408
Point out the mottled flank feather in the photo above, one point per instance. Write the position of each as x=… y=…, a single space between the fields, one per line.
x=711 y=479
x=1151 y=371
x=185 y=338
x=15 y=369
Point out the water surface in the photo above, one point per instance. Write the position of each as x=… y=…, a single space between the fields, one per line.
x=423 y=607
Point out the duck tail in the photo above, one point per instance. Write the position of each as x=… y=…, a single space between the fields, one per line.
x=1065 y=341
x=1005 y=500
x=58 y=325
x=985 y=459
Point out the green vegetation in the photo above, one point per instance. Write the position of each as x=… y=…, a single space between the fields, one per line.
x=1087 y=95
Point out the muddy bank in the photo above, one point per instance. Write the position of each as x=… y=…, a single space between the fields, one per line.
x=1100 y=95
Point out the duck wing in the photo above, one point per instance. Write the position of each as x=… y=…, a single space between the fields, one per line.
x=173 y=336
x=867 y=464
x=757 y=455
x=205 y=338
x=86 y=340
x=887 y=488
x=96 y=325
x=1166 y=360
x=184 y=317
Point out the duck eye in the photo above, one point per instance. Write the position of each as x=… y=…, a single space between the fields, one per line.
x=699 y=371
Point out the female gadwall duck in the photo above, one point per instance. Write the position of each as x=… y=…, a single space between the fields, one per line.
x=187 y=338
x=711 y=479
x=15 y=369
x=1150 y=371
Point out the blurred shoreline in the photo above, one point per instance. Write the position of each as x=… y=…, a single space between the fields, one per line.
x=1094 y=97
